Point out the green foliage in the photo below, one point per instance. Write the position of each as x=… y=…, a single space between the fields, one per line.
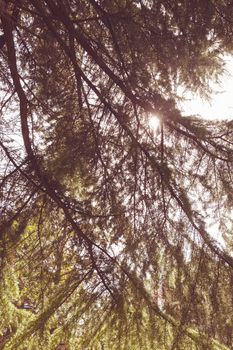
x=105 y=232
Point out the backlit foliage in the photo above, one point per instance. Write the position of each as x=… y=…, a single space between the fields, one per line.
x=105 y=232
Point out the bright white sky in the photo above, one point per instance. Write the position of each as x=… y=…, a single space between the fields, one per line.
x=221 y=105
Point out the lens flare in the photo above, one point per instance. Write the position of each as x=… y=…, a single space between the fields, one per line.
x=154 y=122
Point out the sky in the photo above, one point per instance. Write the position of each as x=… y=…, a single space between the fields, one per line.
x=221 y=105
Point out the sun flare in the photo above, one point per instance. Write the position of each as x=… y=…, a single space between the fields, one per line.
x=154 y=122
